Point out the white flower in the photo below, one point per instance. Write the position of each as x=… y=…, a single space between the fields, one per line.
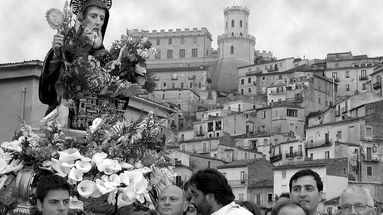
x=75 y=175
x=124 y=200
x=13 y=145
x=104 y=187
x=83 y=166
x=74 y=203
x=109 y=166
x=59 y=168
x=136 y=186
x=98 y=158
x=112 y=197
x=69 y=155
x=87 y=188
x=114 y=179
x=127 y=166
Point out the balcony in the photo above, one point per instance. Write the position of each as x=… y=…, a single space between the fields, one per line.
x=377 y=85
x=294 y=154
x=236 y=183
x=363 y=78
x=275 y=158
x=336 y=79
x=319 y=144
x=199 y=134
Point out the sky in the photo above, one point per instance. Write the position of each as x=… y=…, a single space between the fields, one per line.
x=288 y=28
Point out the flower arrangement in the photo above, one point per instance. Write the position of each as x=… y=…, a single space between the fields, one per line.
x=118 y=159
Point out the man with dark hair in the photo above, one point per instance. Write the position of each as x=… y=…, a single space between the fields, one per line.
x=212 y=194
x=283 y=197
x=306 y=187
x=52 y=194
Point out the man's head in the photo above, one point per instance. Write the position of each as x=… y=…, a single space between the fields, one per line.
x=283 y=197
x=172 y=201
x=289 y=207
x=356 y=200
x=306 y=188
x=94 y=15
x=210 y=190
x=52 y=194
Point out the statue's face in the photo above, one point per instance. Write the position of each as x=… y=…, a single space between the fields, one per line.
x=92 y=24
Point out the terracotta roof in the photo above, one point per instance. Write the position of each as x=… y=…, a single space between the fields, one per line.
x=239 y=163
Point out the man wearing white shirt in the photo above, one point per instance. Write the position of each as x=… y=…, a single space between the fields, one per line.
x=213 y=195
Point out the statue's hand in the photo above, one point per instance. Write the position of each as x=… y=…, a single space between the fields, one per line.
x=131 y=90
x=57 y=44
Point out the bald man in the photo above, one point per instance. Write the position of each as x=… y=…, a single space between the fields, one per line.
x=356 y=200
x=172 y=201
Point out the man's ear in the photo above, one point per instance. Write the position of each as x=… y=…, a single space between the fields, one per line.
x=321 y=195
x=39 y=205
x=185 y=206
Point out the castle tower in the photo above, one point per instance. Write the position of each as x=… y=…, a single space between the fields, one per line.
x=235 y=47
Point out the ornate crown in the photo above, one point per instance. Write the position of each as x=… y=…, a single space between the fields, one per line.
x=77 y=4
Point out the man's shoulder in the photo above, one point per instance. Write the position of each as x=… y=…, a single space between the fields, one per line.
x=234 y=209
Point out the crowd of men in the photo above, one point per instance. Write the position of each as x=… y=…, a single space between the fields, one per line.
x=208 y=193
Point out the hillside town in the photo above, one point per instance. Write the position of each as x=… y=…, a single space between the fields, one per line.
x=255 y=118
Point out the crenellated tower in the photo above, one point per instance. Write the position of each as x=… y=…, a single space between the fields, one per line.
x=235 y=47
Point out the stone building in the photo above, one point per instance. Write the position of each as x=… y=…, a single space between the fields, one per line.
x=235 y=47
x=352 y=73
x=19 y=84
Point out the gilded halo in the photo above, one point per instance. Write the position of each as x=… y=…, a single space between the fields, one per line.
x=55 y=18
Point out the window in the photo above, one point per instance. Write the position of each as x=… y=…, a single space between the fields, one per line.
x=179 y=95
x=368 y=132
x=182 y=85
x=327 y=154
x=284 y=174
x=191 y=85
x=248 y=80
x=339 y=135
x=173 y=85
x=363 y=86
x=269 y=197
x=363 y=74
x=183 y=147
x=263 y=114
x=163 y=96
x=194 y=39
x=347 y=87
x=241 y=91
x=249 y=90
x=292 y=113
x=169 y=54
x=243 y=177
x=164 y=84
x=170 y=41
x=199 y=85
x=194 y=52
x=158 y=42
x=182 y=53
x=240 y=23
x=232 y=23
x=242 y=81
x=231 y=49
x=369 y=170
x=258 y=199
x=182 y=40
x=158 y=55
x=335 y=75
x=347 y=74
